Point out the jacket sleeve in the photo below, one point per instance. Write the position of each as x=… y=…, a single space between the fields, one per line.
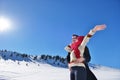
x=85 y=41
x=87 y=37
x=68 y=57
x=87 y=55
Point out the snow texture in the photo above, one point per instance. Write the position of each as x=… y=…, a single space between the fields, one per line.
x=20 y=68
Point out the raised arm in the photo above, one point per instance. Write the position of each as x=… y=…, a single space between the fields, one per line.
x=89 y=35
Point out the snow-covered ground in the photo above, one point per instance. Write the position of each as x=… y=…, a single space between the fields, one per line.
x=14 y=70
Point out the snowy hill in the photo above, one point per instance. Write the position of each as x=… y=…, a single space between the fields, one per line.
x=17 y=67
x=15 y=56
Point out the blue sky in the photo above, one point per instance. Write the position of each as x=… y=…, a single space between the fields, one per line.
x=46 y=27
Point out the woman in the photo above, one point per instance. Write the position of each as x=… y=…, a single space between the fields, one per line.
x=90 y=75
x=76 y=50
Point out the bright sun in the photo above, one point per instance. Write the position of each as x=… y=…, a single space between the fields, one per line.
x=5 y=24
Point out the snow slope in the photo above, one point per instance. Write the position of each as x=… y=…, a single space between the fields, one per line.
x=24 y=67
x=10 y=70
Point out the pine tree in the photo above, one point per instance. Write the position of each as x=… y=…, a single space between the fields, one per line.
x=11 y=55
x=35 y=58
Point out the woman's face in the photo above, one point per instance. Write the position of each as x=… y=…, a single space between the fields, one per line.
x=74 y=39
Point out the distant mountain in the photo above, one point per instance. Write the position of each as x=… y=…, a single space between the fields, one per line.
x=57 y=60
x=15 y=56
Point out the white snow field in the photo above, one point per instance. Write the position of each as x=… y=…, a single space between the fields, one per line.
x=14 y=70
